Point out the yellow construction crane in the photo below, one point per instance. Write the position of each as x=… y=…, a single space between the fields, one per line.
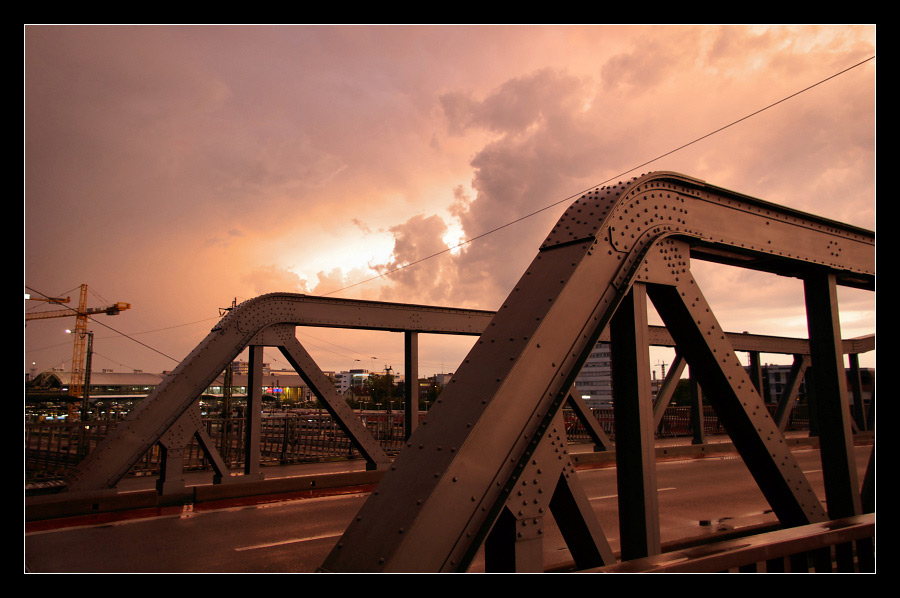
x=80 y=332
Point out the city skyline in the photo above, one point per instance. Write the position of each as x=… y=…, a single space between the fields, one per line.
x=181 y=168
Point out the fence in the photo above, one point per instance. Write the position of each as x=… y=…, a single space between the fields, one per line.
x=287 y=438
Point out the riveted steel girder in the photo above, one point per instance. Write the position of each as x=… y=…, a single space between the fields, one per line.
x=446 y=490
x=633 y=409
x=667 y=388
x=547 y=485
x=283 y=337
x=590 y=423
x=791 y=390
x=731 y=392
x=241 y=327
x=158 y=412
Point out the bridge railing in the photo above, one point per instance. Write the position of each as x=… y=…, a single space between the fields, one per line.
x=675 y=423
x=288 y=438
x=838 y=545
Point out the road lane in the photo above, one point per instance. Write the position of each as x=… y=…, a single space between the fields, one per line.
x=696 y=496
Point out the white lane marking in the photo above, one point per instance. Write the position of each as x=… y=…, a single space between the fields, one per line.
x=291 y=541
x=188 y=511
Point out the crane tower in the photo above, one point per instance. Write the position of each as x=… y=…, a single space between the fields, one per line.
x=76 y=387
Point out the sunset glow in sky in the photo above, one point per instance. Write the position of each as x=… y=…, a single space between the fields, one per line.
x=180 y=168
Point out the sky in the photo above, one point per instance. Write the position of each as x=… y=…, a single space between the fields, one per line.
x=180 y=168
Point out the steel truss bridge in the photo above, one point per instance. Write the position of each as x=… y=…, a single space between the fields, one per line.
x=488 y=465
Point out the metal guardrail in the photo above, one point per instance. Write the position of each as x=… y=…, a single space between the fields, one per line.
x=51 y=448
x=842 y=545
x=312 y=436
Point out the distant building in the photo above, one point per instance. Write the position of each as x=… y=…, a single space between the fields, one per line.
x=243 y=367
x=776 y=377
x=286 y=386
x=104 y=383
x=442 y=379
x=594 y=382
x=346 y=380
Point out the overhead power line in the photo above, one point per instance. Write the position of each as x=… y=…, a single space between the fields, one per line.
x=531 y=214
x=119 y=332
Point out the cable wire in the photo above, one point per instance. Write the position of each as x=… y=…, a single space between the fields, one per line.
x=520 y=219
x=630 y=170
x=75 y=312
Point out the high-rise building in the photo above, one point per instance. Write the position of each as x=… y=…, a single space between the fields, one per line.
x=595 y=380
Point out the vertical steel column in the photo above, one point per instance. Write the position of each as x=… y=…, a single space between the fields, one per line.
x=171 y=470
x=697 y=424
x=859 y=412
x=756 y=373
x=253 y=413
x=513 y=546
x=635 y=446
x=832 y=411
x=411 y=371
x=870 y=414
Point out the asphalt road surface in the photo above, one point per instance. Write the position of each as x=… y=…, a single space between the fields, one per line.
x=696 y=496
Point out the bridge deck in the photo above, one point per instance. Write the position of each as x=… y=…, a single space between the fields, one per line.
x=293 y=532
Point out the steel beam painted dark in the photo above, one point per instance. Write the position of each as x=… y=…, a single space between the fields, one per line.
x=283 y=338
x=868 y=487
x=580 y=529
x=739 y=407
x=514 y=545
x=859 y=411
x=411 y=373
x=145 y=425
x=756 y=373
x=791 y=391
x=433 y=511
x=112 y=459
x=635 y=445
x=832 y=409
x=698 y=429
x=173 y=446
x=171 y=457
x=547 y=485
x=870 y=414
x=220 y=468
x=667 y=389
x=590 y=423
x=253 y=413
x=454 y=479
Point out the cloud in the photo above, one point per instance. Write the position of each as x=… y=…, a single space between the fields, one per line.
x=542 y=148
x=272 y=279
x=551 y=133
x=311 y=159
x=431 y=281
